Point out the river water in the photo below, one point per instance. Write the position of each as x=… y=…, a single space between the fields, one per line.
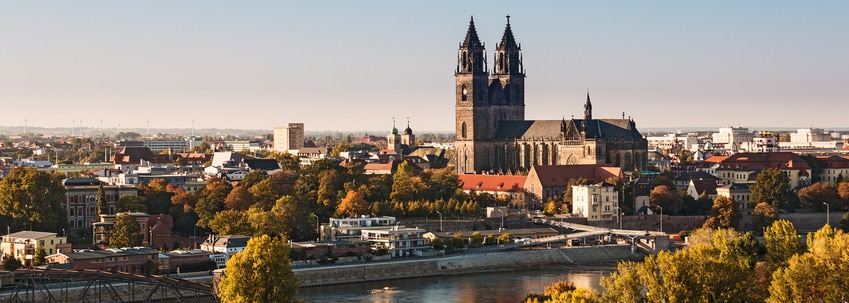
x=506 y=287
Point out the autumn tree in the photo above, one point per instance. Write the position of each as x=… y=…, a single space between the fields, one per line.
x=253 y=177
x=156 y=196
x=353 y=205
x=266 y=192
x=725 y=214
x=261 y=273
x=773 y=186
x=813 y=196
x=843 y=191
x=443 y=184
x=125 y=232
x=667 y=198
x=31 y=200
x=211 y=200
x=238 y=199
x=231 y=222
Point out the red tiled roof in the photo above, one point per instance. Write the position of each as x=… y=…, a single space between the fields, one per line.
x=492 y=183
x=759 y=161
x=559 y=175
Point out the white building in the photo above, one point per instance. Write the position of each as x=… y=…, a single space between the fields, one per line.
x=596 y=202
x=399 y=241
x=729 y=135
x=351 y=228
x=24 y=245
x=228 y=245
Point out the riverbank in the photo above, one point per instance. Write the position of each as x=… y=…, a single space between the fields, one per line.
x=464 y=264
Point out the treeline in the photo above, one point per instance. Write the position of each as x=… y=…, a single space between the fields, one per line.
x=722 y=265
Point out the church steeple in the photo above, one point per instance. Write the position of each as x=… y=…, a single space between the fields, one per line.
x=508 y=54
x=588 y=108
x=471 y=57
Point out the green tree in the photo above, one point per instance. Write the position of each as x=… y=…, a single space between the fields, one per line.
x=782 y=242
x=31 y=200
x=763 y=215
x=261 y=273
x=102 y=209
x=287 y=161
x=10 y=263
x=231 y=222
x=125 y=232
x=40 y=257
x=338 y=149
x=253 y=177
x=773 y=186
x=212 y=200
x=817 y=275
x=443 y=184
x=476 y=240
x=407 y=184
x=157 y=199
x=130 y=203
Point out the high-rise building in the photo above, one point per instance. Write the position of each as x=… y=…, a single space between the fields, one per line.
x=289 y=138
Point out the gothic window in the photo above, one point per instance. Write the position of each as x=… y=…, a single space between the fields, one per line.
x=464 y=60
x=464 y=94
x=618 y=160
x=463 y=130
x=501 y=62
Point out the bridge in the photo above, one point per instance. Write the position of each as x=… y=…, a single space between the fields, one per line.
x=85 y=286
x=584 y=231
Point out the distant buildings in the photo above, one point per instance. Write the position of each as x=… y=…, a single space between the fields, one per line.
x=290 y=137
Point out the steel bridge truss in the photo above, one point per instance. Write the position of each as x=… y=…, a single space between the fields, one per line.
x=71 y=286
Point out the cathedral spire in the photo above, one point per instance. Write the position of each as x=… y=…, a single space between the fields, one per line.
x=471 y=58
x=588 y=108
x=508 y=53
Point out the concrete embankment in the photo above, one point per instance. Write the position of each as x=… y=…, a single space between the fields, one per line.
x=464 y=264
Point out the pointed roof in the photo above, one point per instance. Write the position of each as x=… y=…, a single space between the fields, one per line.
x=472 y=35
x=507 y=40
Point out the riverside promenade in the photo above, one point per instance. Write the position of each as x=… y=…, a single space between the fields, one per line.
x=464 y=264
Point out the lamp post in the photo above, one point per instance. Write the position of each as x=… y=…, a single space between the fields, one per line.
x=440 y=220
x=661 y=217
x=827 y=213
x=619 y=216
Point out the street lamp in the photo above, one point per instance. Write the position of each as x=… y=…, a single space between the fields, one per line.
x=440 y=220
x=827 y=213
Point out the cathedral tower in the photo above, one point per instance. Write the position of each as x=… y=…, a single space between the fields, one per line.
x=473 y=115
x=507 y=85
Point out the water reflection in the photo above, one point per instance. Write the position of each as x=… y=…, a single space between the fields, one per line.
x=506 y=287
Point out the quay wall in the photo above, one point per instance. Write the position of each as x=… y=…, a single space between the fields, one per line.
x=464 y=264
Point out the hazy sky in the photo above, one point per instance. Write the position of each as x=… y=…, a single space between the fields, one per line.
x=353 y=65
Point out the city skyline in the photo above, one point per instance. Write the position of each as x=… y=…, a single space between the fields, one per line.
x=355 y=66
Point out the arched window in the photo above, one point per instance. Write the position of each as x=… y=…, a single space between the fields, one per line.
x=464 y=61
x=464 y=93
x=463 y=130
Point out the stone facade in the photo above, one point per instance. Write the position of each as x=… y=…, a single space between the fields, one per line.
x=492 y=135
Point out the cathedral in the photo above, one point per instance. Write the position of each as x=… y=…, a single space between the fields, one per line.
x=492 y=135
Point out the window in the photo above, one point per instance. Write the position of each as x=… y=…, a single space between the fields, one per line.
x=463 y=130
x=464 y=93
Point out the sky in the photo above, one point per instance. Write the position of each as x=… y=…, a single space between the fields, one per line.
x=354 y=65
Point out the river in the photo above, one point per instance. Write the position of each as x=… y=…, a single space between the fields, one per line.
x=500 y=287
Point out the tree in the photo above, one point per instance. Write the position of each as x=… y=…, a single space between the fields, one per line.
x=353 y=205
x=266 y=192
x=239 y=199
x=773 y=186
x=261 y=273
x=813 y=196
x=10 y=263
x=40 y=257
x=476 y=239
x=505 y=238
x=844 y=222
x=102 y=209
x=231 y=222
x=406 y=184
x=130 y=203
x=253 y=177
x=843 y=191
x=763 y=215
x=31 y=200
x=667 y=198
x=817 y=275
x=156 y=196
x=782 y=242
x=287 y=161
x=212 y=200
x=125 y=232
x=726 y=214
x=338 y=149
x=443 y=184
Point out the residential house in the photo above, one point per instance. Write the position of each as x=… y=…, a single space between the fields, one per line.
x=596 y=202
x=24 y=245
x=103 y=229
x=399 y=241
x=829 y=169
x=546 y=182
x=740 y=193
x=351 y=228
x=131 y=260
x=699 y=187
x=510 y=188
x=744 y=167
x=228 y=245
x=81 y=200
